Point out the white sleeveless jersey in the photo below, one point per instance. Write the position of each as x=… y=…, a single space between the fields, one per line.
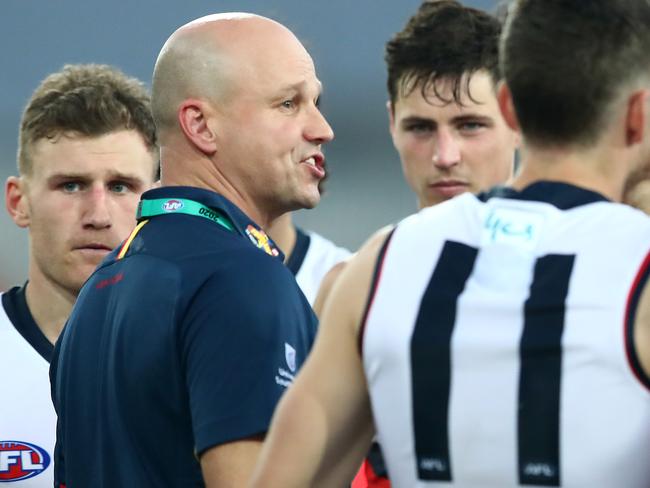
x=496 y=346
x=27 y=417
x=312 y=257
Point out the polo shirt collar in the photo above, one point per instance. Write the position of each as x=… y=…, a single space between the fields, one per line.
x=242 y=223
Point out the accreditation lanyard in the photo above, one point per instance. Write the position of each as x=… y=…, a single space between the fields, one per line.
x=163 y=206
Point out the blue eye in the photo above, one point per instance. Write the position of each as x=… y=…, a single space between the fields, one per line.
x=471 y=126
x=70 y=186
x=419 y=128
x=119 y=187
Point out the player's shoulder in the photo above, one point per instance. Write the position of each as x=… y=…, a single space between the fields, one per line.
x=320 y=242
x=363 y=261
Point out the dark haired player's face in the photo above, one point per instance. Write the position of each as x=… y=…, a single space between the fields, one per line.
x=79 y=202
x=446 y=148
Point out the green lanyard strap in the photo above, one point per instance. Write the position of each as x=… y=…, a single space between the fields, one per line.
x=162 y=206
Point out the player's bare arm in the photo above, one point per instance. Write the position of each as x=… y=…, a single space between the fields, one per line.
x=326 y=286
x=324 y=424
x=332 y=275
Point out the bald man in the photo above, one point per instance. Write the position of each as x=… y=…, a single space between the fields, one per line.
x=183 y=341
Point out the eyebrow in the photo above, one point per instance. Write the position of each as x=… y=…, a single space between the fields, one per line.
x=301 y=85
x=455 y=120
x=112 y=175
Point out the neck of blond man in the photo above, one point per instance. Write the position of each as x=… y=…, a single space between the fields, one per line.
x=49 y=304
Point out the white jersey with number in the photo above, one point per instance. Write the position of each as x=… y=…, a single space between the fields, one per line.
x=497 y=343
x=27 y=417
x=312 y=257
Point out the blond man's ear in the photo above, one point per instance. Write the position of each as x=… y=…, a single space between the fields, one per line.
x=16 y=201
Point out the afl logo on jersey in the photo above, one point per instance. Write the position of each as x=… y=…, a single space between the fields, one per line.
x=172 y=205
x=21 y=460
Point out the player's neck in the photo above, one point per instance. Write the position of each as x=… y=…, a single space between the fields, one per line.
x=183 y=168
x=283 y=233
x=590 y=169
x=50 y=305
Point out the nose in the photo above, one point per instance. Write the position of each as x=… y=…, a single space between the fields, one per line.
x=447 y=151
x=318 y=129
x=96 y=212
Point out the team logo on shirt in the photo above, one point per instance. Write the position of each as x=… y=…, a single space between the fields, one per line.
x=172 y=205
x=261 y=240
x=21 y=461
x=290 y=356
x=285 y=378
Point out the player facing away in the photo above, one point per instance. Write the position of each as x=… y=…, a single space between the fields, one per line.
x=503 y=340
x=182 y=342
x=444 y=120
x=87 y=150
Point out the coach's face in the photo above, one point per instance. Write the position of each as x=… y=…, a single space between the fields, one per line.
x=448 y=148
x=79 y=201
x=271 y=130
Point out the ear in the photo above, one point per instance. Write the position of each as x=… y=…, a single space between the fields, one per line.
x=635 y=118
x=16 y=201
x=193 y=117
x=391 y=117
x=504 y=97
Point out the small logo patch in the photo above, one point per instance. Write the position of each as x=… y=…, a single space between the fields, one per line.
x=290 y=356
x=172 y=205
x=21 y=461
x=261 y=240
x=512 y=227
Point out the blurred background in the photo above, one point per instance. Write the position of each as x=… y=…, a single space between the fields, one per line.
x=345 y=37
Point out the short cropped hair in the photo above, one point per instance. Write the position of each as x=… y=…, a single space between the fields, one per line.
x=88 y=100
x=443 y=41
x=566 y=61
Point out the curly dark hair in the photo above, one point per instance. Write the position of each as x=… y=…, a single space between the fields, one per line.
x=443 y=41
x=86 y=99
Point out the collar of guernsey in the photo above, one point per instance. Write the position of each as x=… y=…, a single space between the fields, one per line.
x=149 y=208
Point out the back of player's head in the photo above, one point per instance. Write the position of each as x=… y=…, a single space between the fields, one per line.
x=567 y=61
x=87 y=100
x=443 y=41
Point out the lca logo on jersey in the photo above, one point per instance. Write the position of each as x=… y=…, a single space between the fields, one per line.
x=290 y=356
x=512 y=227
x=172 y=205
x=21 y=461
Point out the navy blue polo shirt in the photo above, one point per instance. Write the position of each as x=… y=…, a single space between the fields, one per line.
x=184 y=343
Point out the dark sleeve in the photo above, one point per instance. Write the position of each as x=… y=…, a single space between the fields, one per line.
x=59 y=464
x=245 y=334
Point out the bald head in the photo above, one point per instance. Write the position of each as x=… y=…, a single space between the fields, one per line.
x=206 y=58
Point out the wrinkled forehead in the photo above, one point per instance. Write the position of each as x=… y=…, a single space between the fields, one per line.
x=283 y=59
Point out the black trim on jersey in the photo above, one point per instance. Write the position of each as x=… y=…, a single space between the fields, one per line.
x=540 y=375
x=561 y=195
x=299 y=251
x=379 y=264
x=15 y=305
x=633 y=299
x=431 y=360
x=376 y=460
